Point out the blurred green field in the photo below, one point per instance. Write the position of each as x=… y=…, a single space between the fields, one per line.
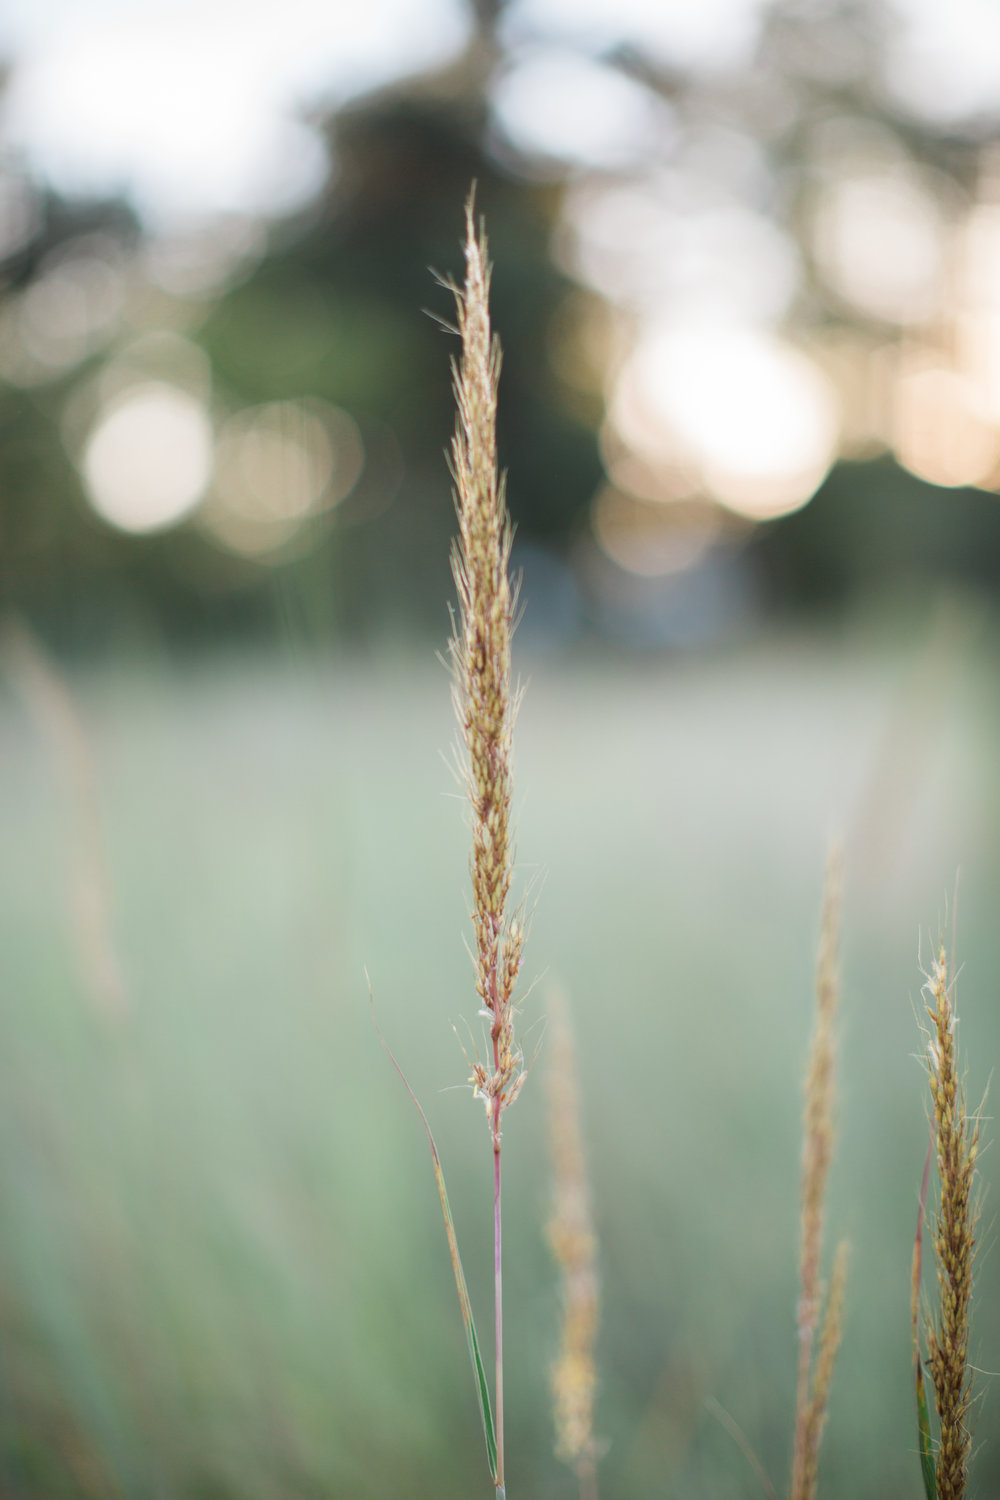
x=222 y=1265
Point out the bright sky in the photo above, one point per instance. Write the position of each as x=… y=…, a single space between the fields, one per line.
x=192 y=104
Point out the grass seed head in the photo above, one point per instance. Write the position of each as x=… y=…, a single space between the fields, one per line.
x=480 y=651
x=814 y=1378
x=957 y=1148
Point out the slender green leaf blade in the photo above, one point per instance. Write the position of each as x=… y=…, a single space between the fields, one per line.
x=924 y=1428
x=463 y=1297
x=482 y=1386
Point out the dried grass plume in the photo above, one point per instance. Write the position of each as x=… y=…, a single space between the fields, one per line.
x=574 y=1247
x=485 y=706
x=480 y=647
x=815 y=1374
x=957 y=1147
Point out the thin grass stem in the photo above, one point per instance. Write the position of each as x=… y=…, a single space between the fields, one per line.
x=498 y=1308
x=485 y=707
x=814 y=1375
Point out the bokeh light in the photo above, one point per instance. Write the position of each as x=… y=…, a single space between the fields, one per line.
x=755 y=415
x=652 y=540
x=554 y=103
x=75 y=302
x=946 y=64
x=276 y=465
x=149 y=458
x=72 y=307
x=205 y=255
x=715 y=33
x=977 y=310
x=943 y=433
x=675 y=237
x=879 y=241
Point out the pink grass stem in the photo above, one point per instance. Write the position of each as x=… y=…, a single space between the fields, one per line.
x=498 y=1294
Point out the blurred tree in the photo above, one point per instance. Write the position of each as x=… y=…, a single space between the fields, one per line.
x=54 y=556
x=333 y=308
x=339 y=308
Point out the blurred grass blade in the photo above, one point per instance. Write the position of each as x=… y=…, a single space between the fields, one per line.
x=923 y=1415
x=739 y=1437
x=924 y=1427
x=456 y=1261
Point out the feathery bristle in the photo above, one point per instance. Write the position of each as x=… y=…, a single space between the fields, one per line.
x=957 y=1146
x=480 y=651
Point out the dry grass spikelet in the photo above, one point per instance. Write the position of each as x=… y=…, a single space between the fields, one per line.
x=957 y=1147
x=826 y=1354
x=480 y=651
x=574 y=1247
x=49 y=699
x=814 y=1377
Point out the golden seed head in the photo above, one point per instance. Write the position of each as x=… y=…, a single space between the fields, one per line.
x=956 y=1139
x=480 y=654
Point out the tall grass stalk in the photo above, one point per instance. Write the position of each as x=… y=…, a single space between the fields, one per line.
x=815 y=1373
x=49 y=699
x=956 y=1138
x=485 y=706
x=574 y=1247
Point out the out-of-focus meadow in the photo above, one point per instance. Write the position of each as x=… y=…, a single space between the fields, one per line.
x=747 y=285
x=224 y=1269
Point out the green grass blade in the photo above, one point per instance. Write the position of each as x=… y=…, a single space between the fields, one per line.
x=924 y=1428
x=927 y=1468
x=482 y=1387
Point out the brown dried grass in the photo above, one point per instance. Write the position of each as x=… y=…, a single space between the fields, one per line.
x=815 y=1375
x=957 y=1148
